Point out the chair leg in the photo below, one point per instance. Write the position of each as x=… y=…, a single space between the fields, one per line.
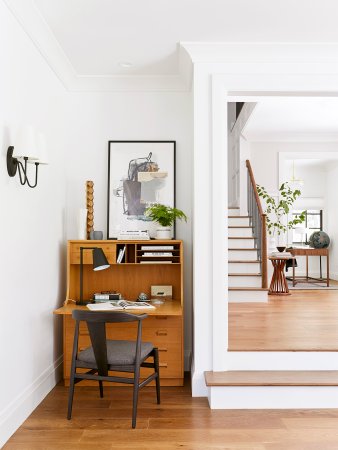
x=70 y=396
x=101 y=388
x=157 y=370
x=135 y=395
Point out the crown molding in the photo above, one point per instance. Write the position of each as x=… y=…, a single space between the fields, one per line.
x=262 y=52
x=36 y=28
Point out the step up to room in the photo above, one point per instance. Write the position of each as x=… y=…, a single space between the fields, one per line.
x=277 y=389
x=242 y=254
x=244 y=266
x=241 y=242
x=240 y=294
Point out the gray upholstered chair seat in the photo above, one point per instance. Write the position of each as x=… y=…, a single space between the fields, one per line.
x=119 y=353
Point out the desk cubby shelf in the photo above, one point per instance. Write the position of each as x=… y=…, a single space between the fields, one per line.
x=136 y=273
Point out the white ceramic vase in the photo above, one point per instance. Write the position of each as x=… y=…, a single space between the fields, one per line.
x=163 y=233
x=272 y=244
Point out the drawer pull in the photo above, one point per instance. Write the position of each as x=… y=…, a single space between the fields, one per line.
x=161 y=333
x=163 y=364
x=162 y=349
x=161 y=317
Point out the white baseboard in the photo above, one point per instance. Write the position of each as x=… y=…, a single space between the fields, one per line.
x=22 y=406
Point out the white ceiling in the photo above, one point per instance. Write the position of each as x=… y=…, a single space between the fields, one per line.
x=293 y=120
x=85 y=41
x=96 y=35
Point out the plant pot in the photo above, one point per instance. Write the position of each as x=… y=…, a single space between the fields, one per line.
x=163 y=233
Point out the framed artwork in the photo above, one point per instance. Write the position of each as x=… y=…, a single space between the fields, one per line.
x=140 y=173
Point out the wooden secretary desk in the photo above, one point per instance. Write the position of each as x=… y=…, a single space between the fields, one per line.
x=137 y=273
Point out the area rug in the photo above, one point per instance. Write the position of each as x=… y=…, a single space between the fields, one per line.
x=311 y=286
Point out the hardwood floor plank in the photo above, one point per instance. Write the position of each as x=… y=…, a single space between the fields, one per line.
x=304 y=321
x=190 y=425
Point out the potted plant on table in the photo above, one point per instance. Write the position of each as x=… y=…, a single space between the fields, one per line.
x=277 y=210
x=165 y=216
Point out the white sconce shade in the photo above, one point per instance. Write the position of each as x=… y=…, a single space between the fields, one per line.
x=26 y=144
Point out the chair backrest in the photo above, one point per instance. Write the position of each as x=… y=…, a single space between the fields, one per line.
x=96 y=323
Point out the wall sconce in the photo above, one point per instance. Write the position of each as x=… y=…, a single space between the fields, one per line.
x=29 y=149
x=99 y=263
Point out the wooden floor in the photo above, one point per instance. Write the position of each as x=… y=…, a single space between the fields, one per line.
x=302 y=321
x=180 y=422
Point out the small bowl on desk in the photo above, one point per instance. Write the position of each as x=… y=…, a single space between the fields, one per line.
x=281 y=249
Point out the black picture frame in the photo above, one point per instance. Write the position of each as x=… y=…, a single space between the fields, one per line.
x=126 y=159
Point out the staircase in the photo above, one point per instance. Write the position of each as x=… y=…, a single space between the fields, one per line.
x=244 y=267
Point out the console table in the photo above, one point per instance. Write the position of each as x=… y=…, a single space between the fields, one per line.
x=308 y=251
x=137 y=273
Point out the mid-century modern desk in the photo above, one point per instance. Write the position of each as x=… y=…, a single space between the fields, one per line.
x=163 y=327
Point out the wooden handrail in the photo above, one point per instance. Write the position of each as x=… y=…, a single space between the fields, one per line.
x=264 y=248
x=254 y=186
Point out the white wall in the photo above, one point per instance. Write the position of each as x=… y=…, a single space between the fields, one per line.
x=32 y=237
x=332 y=219
x=37 y=222
x=100 y=117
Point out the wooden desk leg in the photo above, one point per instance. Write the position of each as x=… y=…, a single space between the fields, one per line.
x=293 y=273
x=307 y=268
x=328 y=270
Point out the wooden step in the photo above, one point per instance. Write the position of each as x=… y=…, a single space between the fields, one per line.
x=244 y=274
x=247 y=289
x=239 y=217
x=272 y=378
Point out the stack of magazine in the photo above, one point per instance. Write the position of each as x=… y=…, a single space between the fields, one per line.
x=118 y=305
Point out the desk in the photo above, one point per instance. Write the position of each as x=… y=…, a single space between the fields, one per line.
x=163 y=327
x=308 y=251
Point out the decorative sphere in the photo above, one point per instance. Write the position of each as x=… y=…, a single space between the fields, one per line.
x=319 y=239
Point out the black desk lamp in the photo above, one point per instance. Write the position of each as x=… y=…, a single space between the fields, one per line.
x=99 y=263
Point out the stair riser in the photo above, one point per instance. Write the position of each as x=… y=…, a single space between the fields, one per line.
x=244 y=268
x=238 y=221
x=233 y=212
x=242 y=254
x=241 y=243
x=267 y=397
x=248 y=281
x=242 y=232
x=248 y=297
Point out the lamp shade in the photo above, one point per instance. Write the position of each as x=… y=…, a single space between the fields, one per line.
x=26 y=144
x=42 y=149
x=99 y=260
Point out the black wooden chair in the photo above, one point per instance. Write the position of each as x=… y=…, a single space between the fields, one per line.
x=111 y=355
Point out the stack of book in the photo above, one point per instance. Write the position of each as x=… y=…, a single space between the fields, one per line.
x=131 y=235
x=121 y=255
x=103 y=298
x=157 y=251
x=286 y=255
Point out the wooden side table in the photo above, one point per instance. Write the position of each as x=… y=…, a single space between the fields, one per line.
x=278 y=285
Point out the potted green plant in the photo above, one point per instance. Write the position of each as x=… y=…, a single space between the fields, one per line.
x=165 y=216
x=277 y=210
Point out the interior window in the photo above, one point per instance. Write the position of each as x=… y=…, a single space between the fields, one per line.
x=313 y=222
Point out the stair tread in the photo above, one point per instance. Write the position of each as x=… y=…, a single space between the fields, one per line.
x=244 y=249
x=239 y=217
x=272 y=378
x=242 y=261
x=241 y=237
x=244 y=274
x=239 y=226
x=240 y=288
